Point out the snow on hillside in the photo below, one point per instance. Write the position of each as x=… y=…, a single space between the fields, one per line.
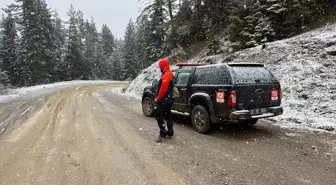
x=34 y=91
x=145 y=79
x=305 y=65
x=147 y=76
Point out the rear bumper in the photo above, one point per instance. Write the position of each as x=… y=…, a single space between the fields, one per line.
x=246 y=114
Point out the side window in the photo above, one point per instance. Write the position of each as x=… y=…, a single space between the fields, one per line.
x=217 y=75
x=182 y=78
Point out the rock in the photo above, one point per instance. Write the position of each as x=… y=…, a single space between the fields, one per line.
x=313 y=147
x=304 y=96
x=294 y=120
x=327 y=45
x=331 y=50
x=327 y=155
x=327 y=128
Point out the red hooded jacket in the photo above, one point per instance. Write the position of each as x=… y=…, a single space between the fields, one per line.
x=166 y=79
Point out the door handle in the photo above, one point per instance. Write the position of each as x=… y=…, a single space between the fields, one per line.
x=183 y=89
x=259 y=90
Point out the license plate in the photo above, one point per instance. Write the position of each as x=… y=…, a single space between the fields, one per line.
x=258 y=111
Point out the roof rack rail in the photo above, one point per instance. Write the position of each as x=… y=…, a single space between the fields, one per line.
x=183 y=65
x=247 y=64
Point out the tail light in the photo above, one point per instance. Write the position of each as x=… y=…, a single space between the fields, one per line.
x=220 y=97
x=232 y=99
x=275 y=95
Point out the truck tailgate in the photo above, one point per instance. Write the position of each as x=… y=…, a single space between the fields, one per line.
x=254 y=96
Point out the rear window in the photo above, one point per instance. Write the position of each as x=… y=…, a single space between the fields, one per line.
x=247 y=75
x=218 y=75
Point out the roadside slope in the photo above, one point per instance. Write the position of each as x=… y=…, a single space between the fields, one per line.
x=306 y=67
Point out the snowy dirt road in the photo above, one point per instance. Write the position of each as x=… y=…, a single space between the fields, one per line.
x=87 y=135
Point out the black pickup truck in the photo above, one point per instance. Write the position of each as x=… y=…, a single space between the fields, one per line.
x=233 y=92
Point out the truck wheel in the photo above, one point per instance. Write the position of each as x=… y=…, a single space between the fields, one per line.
x=148 y=107
x=200 y=119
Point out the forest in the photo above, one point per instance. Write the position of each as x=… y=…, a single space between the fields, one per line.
x=37 y=47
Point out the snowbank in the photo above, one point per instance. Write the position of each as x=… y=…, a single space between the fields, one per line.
x=307 y=70
x=35 y=91
x=306 y=67
x=147 y=76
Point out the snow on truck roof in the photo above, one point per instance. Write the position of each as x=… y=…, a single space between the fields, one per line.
x=229 y=64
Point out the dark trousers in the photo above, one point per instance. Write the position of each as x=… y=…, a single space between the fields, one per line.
x=164 y=112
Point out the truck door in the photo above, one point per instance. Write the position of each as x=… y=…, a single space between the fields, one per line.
x=181 y=102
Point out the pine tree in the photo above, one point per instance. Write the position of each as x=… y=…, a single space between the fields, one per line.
x=183 y=25
x=129 y=52
x=107 y=41
x=115 y=62
x=286 y=17
x=38 y=44
x=143 y=42
x=91 y=46
x=8 y=48
x=59 y=28
x=106 y=47
x=198 y=21
x=154 y=19
x=60 y=33
x=74 y=60
x=217 y=11
x=250 y=26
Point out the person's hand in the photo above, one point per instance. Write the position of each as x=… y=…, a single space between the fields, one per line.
x=156 y=100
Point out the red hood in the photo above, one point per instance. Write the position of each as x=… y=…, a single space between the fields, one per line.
x=164 y=65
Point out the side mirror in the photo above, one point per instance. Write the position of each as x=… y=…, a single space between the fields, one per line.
x=155 y=82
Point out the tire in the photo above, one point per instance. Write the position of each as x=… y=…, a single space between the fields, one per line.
x=200 y=119
x=148 y=107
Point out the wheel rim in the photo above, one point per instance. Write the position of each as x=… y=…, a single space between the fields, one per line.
x=199 y=119
x=147 y=107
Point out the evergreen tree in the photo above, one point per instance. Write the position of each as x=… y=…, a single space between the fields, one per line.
x=287 y=17
x=198 y=21
x=250 y=26
x=107 y=41
x=38 y=44
x=183 y=25
x=157 y=29
x=74 y=60
x=129 y=52
x=91 y=46
x=8 y=55
x=153 y=17
x=59 y=28
x=115 y=62
x=60 y=33
x=104 y=67
x=144 y=45
x=218 y=12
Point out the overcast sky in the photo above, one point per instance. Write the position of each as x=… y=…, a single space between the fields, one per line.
x=115 y=13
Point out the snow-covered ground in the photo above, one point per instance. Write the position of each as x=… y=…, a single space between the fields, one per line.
x=35 y=91
x=305 y=65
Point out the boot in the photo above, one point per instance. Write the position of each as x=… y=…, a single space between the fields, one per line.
x=160 y=139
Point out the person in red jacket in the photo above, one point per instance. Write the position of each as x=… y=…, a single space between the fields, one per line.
x=165 y=101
